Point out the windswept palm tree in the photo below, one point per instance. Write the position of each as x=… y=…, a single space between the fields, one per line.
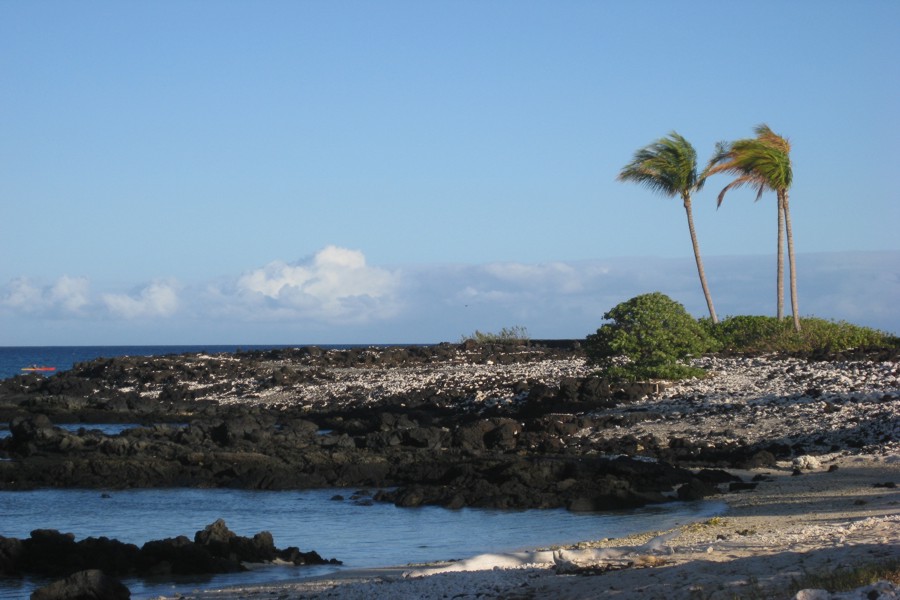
x=669 y=166
x=764 y=162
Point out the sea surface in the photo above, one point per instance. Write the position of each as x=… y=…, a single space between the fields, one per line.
x=14 y=358
x=360 y=535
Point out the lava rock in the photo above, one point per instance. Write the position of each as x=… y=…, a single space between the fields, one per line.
x=92 y=584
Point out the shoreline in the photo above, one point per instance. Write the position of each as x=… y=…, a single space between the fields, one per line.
x=819 y=521
x=506 y=428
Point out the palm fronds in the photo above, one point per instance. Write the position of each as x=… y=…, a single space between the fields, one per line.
x=762 y=162
x=667 y=166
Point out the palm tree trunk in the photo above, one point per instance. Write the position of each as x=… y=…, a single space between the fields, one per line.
x=795 y=309
x=779 y=286
x=700 y=271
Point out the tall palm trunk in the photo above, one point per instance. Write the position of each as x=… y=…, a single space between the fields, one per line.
x=795 y=309
x=700 y=271
x=779 y=286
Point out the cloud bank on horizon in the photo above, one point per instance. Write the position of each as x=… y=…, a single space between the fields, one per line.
x=335 y=296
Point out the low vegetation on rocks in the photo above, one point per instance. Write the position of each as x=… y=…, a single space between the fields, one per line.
x=652 y=336
x=516 y=334
x=758 y=335
x=648 y=337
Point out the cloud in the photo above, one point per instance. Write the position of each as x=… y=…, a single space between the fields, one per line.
x=70 y=293
x=67 y=296
x=158 y=299
x=335 y=296
x=569 y=299
x=335 y=284
x=560 y=277
x=22 y=295
x=540 y=291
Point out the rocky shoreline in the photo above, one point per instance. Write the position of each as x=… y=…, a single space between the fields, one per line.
x=450 y=425
x=448 y=416
x=454 y=424
x=214 y=549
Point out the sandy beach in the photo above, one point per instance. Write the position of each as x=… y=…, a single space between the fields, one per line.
x=841 y=513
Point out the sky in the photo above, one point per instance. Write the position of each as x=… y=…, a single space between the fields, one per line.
x=281 y=172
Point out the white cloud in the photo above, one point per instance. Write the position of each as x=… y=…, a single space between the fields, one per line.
x=67 y=296
x=71 y=293
x=335 y=284
x=22 y=295
x=159 y=299
x=557 y=276
x=569 y=299
x=335 y=296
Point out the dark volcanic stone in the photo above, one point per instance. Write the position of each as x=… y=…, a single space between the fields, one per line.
x=761 y=460
x=11 y=551
x=215 y=538
x=432 y=445
x=181 y=556
x=84 y=585
x=216 y=549
x=741 y=486
x=695 y=489
x=503 y=435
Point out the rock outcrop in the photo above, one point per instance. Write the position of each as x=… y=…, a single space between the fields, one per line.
x=215 y=549
x=456 y=425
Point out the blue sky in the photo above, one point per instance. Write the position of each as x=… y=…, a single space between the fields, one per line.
x=314 y=172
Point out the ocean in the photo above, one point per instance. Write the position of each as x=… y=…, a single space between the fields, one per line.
x=359 y=534
x=14 y=358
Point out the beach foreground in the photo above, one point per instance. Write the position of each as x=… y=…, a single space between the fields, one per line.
x=840 y=514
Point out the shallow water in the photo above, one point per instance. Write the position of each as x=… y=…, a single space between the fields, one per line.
x=104 y=428
x=361 y=536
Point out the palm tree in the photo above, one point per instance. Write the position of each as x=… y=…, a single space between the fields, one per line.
x=669 y=166
x=764 y=162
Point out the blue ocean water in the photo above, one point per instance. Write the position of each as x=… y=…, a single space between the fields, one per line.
x=14 y=358
x=362 y=536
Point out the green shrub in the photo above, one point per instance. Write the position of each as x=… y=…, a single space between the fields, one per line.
x=646 y=339
x=757 y=334
x=508 y=335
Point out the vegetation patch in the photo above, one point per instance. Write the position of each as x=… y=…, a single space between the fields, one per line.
x=516 y=334
x=758 y=334
x=653 y=337
x=648 y=337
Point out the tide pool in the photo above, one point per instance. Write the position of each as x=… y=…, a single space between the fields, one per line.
x=359 y=534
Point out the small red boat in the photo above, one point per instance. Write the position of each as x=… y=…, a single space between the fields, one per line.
x=38 y=368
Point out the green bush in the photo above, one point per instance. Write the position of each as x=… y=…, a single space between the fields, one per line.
x=646 y=339
x=508 y=335
x=757 y=334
